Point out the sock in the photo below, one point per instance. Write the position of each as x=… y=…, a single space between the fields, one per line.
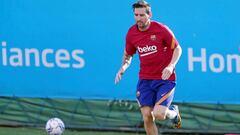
x=171 y=114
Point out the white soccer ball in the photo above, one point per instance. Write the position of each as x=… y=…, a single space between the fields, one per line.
x=55 y=126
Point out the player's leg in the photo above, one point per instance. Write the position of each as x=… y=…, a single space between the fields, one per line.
x=162 y=112
x=162 y=108
x=149 y=124
x=146 y=99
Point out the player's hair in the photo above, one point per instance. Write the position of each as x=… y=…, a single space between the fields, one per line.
x=142 y=4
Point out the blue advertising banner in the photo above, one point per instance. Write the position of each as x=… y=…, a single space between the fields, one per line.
x=73 y=49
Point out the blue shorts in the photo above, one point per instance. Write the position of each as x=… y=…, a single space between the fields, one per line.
x=151 y=92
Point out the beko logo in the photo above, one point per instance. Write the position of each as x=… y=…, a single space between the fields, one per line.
x=147 y=50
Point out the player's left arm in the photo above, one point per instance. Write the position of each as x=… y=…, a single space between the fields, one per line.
x=177 y=52
x=176 y=55
x=173 y=44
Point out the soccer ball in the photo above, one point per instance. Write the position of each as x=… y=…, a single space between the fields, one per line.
x=55 y=126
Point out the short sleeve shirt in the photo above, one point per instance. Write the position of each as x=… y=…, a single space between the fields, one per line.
x=155 y=47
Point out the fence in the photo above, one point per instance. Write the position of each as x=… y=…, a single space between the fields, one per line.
x=115 y=115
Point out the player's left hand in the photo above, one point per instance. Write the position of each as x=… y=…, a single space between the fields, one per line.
x=167 y=72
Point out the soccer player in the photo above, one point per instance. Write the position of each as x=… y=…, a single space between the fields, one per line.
x=159 y=53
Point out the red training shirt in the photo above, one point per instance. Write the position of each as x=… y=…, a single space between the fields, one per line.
x=155 y=47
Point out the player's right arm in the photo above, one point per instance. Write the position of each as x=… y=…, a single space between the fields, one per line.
x=126 y=61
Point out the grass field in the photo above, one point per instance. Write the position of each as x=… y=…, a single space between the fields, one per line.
x=34 y=131
x=37 y=131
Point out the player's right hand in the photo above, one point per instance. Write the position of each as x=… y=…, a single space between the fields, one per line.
x=119 y=75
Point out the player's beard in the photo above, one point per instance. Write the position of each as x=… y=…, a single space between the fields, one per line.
x=142 y=25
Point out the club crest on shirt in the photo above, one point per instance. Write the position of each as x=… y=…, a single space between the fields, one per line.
x=153 y=37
